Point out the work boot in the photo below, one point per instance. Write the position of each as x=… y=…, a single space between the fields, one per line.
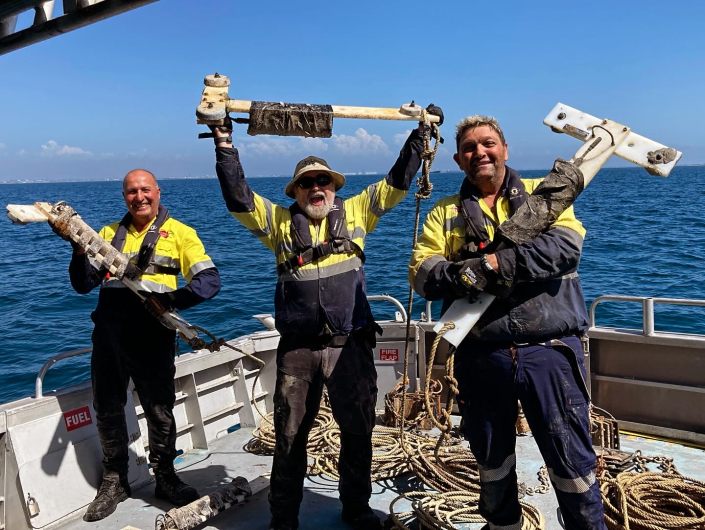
x=171 y=488
x=283 y=523
x=113 y=490
x=361 y=518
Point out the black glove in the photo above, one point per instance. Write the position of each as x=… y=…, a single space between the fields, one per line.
x=159 y=303
x=132 y=272
x=226 y=128
x=436 y=111
x=472 y=278
x=476 y=276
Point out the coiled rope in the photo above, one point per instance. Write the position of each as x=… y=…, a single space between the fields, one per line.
x=648 y=500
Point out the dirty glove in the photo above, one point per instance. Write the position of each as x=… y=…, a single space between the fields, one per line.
x=61 y=229
x=159 y=303
x=222 y=133
x=424 y=128
x=472 y=278
x=436 y=111
x=132 y=272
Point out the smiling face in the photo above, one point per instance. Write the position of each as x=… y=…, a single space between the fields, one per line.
x=317 y=200
x=481 y=156
x=141 y=195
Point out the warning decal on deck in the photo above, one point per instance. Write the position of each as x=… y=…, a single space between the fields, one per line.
x=77 y=418
x=388 y=354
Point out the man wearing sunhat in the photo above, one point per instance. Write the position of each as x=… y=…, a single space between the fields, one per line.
x=321 y=311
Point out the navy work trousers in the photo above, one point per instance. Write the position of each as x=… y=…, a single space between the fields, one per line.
x=349 y=374
x=128 y=342
x=549 y=381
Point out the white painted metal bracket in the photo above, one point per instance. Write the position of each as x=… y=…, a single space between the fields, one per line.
x=656 y=158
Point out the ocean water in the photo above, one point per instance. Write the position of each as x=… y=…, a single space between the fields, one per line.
x=646 y=237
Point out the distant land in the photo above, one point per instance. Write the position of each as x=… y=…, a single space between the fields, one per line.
x=57 y=181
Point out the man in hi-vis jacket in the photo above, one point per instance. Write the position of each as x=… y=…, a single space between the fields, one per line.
x=129 y=341
x=527 y=345
x=321 y=311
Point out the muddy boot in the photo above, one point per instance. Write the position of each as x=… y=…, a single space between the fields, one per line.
x=113 y=490
x=361 y=518
x=171 y=488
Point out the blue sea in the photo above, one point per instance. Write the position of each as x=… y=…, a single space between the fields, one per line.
x=646 y=237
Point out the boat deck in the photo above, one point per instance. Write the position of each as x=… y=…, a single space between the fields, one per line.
x=227 y=458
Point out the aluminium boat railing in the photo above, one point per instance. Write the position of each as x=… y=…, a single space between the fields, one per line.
x=647 y=303
x=39 y=382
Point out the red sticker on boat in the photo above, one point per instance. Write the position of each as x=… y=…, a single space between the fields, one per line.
x=388 y=354
x=164 y=233
x=77 y=418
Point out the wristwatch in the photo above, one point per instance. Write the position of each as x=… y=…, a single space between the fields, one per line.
x=486 y=264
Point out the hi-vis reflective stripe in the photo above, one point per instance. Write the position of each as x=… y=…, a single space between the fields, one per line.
x=317 y=273
x=375 y=208
x=454 y=222
x=142 y=285
x=158 y=259
x=493 y=475
x=264 y=232
x=198 y=267
x=424 y=270
x=572 y=485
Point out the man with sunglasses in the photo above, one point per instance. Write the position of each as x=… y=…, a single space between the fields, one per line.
x=321 y=311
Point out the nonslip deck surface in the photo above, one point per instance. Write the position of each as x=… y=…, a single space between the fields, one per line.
x=226 y=459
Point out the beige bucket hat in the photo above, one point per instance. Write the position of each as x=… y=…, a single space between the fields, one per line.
x=313 y=163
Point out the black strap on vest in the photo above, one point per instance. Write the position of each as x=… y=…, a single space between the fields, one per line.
x=144 y=257
x=475 y=234
x=338 y=242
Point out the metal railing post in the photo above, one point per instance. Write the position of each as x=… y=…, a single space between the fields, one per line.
x=648 y=316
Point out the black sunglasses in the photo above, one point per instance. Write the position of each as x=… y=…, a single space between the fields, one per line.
x=307 y=182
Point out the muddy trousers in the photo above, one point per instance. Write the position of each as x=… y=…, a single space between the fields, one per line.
x=141 y=349
x=349 y=374
x=548 y=380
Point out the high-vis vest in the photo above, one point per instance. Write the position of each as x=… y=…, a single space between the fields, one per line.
x=540 y=306
x=177 y=249
x=327 y=294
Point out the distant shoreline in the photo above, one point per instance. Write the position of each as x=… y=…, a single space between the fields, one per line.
x=366 y=174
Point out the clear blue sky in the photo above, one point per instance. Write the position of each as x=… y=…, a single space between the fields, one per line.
x=121 y=94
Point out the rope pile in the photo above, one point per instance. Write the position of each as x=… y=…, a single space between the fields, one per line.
x=653 y=501
x=648 y=500
x=446 y=510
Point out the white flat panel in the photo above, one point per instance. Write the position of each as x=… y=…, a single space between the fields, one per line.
x=62 y=468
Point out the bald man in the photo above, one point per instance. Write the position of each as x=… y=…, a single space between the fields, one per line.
x=130 y=342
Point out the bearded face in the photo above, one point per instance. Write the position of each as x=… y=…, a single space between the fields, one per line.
x=314 y=198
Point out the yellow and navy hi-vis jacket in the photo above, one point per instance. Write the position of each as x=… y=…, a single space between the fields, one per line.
x=547 y=301
x=178 y=249
x=330 y=291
